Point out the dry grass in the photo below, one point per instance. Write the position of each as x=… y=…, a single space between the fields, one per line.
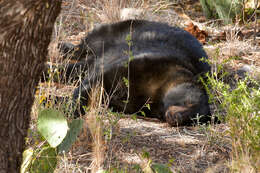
x=244 y=164
x=94 y=122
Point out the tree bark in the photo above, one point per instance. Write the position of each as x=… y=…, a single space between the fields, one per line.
x=25 y=32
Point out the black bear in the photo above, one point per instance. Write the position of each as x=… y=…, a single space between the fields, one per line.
x=142 y=61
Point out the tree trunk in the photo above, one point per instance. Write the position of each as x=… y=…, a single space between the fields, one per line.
x=25 y=33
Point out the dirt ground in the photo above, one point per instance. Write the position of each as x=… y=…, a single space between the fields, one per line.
x=184 y=149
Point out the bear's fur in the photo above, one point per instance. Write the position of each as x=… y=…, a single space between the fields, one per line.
x=160 y=63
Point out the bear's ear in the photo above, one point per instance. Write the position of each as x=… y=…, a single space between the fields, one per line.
x=65 y=48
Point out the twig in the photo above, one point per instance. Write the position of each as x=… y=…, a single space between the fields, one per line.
x=256 y=4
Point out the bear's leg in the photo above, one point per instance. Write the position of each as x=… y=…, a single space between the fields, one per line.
x=73 y=52
x=73 y=72
x=65 y=48
x=80 y=99
x=66 y=73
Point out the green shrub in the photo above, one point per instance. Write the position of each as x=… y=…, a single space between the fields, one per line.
x=57 y=136
x=241 y=106
x=226 y=10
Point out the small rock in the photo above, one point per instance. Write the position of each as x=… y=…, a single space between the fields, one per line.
x=130 y=13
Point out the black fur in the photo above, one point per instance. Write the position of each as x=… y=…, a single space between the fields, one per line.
x=163 y=64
